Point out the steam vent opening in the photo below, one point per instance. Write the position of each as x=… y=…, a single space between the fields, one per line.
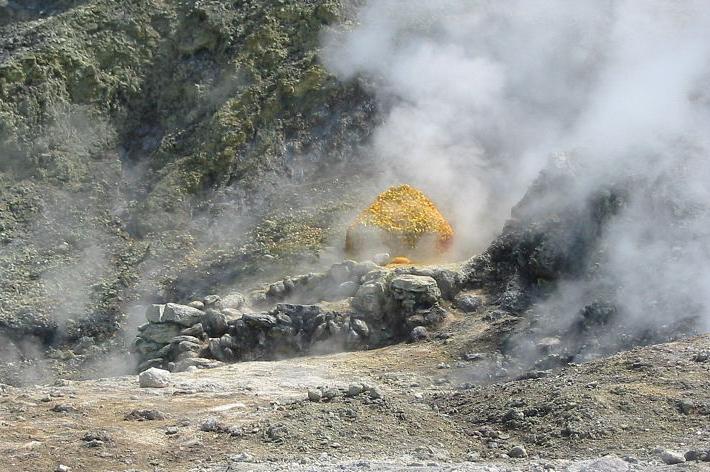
x=403 y=222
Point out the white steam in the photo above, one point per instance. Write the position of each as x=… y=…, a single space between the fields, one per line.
x=478 y=94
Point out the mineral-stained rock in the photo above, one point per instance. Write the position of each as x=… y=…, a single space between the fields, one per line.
x=182 y=314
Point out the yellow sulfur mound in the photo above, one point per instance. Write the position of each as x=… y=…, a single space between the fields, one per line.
x=403 y=220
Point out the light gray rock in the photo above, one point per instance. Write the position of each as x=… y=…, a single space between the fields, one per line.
x=421 y=286
x=154 y=313
x=672 y=457
x=154 y=378
x=314 y=395
x=234 y=301
x=196 y=304
x=181 y=314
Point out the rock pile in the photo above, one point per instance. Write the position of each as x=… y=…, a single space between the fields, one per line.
x=380 y=306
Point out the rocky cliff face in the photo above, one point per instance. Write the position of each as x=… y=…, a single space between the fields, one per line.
x=140 y=141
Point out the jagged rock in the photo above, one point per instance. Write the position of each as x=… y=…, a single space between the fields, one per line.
x=360 y=269
x=195 y=330
x=259 y=320
x=143 y=346
x=360 y=327
x=154 y=378
x=215 y=323
x=181 y=314
x=161 y=333
x=154 y=313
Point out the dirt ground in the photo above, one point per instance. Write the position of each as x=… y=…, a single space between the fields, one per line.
x=438 y=411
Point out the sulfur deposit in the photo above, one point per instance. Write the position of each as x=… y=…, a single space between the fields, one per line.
x=403 y=221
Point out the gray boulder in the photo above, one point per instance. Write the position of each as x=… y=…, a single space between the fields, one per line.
x=161 y=333
x=182 y=314
x=260 y=320
x=154 y=378
x=370 y=298
x=154 y=313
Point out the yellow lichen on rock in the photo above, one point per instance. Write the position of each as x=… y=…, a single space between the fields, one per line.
x=402 y=217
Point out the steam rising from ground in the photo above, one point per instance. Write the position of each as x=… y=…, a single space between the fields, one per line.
x=478 y=95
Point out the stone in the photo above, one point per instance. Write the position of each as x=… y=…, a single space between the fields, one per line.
x=62 y=468
x=234 y=300
x=214 y=322
x=154 y=313
x=419 y=333
x=314 y=395
x=195 y=330
x=259 y=320
x=468 y=303
x=415 y=291
x=448 y=281
x=154 y=378
x=276 y=290
x=145 y=415
x=513 y=415
x=213 y=425
x=672 y=457
x=370 y=298
x=196 y=304
x=161 y=333
x=354 y=390
x=182 y=314
x=211 y=300
x=518 y=452
x=360 y=327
